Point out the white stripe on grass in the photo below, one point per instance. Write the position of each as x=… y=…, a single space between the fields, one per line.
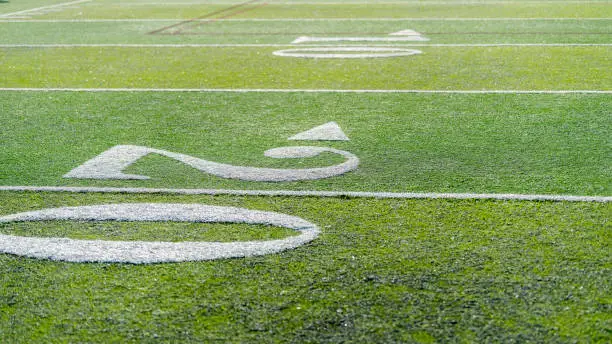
x=297 y=90
x=369 y=2
x=43 y=8
x=238 y=45
x=353 y=194
x=136 y=20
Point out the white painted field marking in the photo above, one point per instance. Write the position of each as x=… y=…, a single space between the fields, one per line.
x=136 y=20
x=43 y=9
x=415 y=2
x=346 y=52
x=239 y=45
x=330 y=131
x=408 y=38
x=405 y=33
x=399 y=36
x=139 y=252
x=327 y=194
x=354 y=52
x=111 y=163
x=295 y=90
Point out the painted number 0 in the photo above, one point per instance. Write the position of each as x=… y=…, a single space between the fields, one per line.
x=138 y=252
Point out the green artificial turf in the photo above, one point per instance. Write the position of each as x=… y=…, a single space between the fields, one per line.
x=10 y=6
x=381 y=271
x=126 y=231
x=331 y=9
x=554 y=144
x=457 y=68
x=438 y=31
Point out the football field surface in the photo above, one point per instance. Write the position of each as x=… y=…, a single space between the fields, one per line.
x=305 y=171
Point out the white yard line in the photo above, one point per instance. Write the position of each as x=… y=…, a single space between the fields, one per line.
x=355 y=194
x=416 y=2
x=120 y=45
x=296 y=90
x=404 y=19
x=43 y=8
x=224 y=45
x=136 y=20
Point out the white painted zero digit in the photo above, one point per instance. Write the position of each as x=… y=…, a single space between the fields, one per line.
x=138 y=252
x=346 y=52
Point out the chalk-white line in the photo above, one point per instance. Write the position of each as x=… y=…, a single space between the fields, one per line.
x=369 y=2
x=353 y=194
x=299 y=90
x=136 y=20
x=44 y=8
x=237 y=45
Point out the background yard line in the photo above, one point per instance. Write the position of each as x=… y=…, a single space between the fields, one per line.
x=406 y=18
x=295 y=90
x=11 y=20
x=229 y=45
x=415 y=2
x=44 y=8
x=356 y=194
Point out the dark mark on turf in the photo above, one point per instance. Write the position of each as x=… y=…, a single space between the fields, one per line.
x=206 y=16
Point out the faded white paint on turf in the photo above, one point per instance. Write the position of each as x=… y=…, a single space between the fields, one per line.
x=138 y=252
x=111 y=163
x=292 y=193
